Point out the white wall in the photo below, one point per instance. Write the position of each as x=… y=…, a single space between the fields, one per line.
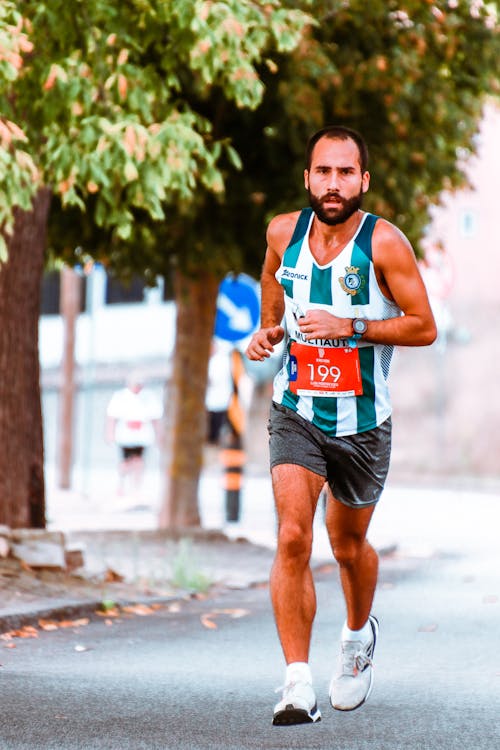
x=112 y=333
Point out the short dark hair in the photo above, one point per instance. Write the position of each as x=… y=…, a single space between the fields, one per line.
x=343 y=134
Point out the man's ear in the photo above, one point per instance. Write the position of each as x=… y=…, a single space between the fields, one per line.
x=306 y=178
x=365 y=182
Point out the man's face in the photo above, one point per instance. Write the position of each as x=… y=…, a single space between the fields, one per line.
x=334 y=181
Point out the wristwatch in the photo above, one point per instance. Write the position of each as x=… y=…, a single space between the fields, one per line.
x=359 y=327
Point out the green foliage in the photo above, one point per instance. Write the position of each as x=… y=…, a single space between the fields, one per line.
x=170 y=132
x=18 y=173
x=411 y=76
x=108 y=100
x=107 y=605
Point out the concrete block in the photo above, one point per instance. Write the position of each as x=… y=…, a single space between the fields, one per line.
x=39 y=548
x=22 y=535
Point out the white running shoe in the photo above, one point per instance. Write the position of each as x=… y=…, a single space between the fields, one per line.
x=297 y=705
x=352 y=683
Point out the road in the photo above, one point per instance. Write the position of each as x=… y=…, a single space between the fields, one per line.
x=169 y=680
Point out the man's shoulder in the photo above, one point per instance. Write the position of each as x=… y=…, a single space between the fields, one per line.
x=280 y=230
x=286 y=221
x=387 y=238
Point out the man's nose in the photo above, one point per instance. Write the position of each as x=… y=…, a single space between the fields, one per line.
x=332 y=182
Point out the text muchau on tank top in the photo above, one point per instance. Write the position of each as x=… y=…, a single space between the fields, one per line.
x=340 y=385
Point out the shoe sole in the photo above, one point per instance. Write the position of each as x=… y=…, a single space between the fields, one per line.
x=290 y=716
x=375 y=629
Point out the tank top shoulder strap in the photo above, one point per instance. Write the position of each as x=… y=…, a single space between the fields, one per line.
x=292 y=251
x=364 y=237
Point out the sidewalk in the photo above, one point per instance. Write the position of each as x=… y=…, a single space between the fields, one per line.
x=412 y=518
x=128 y=560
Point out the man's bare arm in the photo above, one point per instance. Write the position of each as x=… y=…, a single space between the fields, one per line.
x=400 y=279
x=272 y=303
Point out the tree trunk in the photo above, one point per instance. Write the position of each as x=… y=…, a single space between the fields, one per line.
x=22 y=489
x=186 y=414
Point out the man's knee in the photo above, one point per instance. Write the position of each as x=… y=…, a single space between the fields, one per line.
x=349 y=550
x=294 y=541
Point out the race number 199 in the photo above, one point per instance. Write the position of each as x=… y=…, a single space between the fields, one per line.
x=325 y=371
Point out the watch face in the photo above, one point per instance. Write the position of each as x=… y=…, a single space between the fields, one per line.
x=359 y=326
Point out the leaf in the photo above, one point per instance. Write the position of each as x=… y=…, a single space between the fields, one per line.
x=48 y=625
x=124 y=230
x=207 y=621
x=138 y=609
x=130 y=172
x=111 y=576
x=112 y=612
x=122 y=86
x=74 y=623
x=28 y=631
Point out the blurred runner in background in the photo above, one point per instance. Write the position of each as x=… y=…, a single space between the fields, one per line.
x=133 y=422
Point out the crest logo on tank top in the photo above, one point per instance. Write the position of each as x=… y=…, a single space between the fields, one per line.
x=352 y=282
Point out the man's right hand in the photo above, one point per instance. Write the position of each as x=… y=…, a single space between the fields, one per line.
x=263 y=342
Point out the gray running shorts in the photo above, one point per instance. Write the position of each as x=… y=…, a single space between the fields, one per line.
x=355 y=466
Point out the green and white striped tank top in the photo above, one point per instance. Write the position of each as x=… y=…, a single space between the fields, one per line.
x=346 y=287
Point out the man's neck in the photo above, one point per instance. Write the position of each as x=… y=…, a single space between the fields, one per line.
x=328 y=240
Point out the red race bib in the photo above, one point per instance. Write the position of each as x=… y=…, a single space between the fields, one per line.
x=325 y=370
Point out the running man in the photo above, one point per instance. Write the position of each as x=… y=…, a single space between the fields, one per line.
x=347 y=284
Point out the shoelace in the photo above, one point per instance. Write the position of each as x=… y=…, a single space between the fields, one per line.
x=286 y=689
x=354 y=659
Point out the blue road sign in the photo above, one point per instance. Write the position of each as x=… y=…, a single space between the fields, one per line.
x=238 y=307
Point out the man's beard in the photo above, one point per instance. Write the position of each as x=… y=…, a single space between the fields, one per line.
x=334 y=216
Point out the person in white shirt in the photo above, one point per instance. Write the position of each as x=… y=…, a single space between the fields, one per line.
x=133 y=422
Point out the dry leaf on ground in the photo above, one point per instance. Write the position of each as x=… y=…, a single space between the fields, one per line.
x=111 y=576
x=138 y=609
x=28 y=631
x=207 y=618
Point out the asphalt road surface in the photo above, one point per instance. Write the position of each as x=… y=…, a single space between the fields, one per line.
x=202 y=675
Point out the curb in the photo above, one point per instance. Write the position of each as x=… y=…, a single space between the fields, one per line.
x=89 y=607
x=61 y=608
x=78 y=609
